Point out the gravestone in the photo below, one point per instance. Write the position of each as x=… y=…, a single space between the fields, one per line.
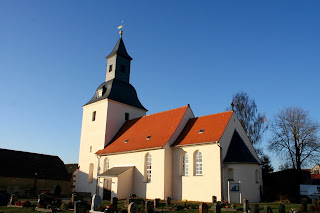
x=156 y=202
x=216 y=208
x=114 y=202
x=203 y=208
x=245 y=205
x=255 y=208
x=132 y=208
x=214 y=199
x=149 y=207
x=96 y=202
x=74 y=198
x=304 y=203
x=80 y=207
x=168 y=201
x=267 y=209
x=282 y=208
x=13 y=199
x=314 y=201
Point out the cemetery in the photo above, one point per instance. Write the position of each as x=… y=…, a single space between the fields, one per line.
x=83 y=203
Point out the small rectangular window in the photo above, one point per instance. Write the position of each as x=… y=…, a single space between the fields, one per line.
x=94 y=116
x=110 y=67
x=126 y=141
x=148 y=137
x=123 y=68
x=201 y=131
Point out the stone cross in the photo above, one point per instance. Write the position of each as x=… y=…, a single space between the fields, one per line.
x=96 y=201
x=203 y=208
x=132 y=208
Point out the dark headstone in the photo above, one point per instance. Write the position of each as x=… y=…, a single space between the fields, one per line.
x=168 y=201
x=80 y=207
x=96 y=202
x=255 y=208
x=304 y=203
x=214 y=199
x=245 y=205
x=149 y=207
x=74 y=198
x=314 y=201
x=156 y=202
x=282 y=208
x=203 y=208
x=216 y=208
x=132 y=208
x=114 y=202
x=267 y=209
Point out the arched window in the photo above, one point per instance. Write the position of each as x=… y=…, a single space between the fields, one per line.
x=184 y=164
x=90 y=175
x=198 y=163
x=257 y=176
x=148 y=162
x=106 y=164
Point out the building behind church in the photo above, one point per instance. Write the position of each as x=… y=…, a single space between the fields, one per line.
x=174 y=154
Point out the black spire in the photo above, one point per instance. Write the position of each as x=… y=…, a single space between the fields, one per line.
x=119 y=49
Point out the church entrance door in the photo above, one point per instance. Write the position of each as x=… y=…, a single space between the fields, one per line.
x=107 y=188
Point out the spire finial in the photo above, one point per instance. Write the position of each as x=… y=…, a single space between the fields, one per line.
x=232 y=106
x=120 y=27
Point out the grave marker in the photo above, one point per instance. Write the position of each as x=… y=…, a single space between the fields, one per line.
x=203 y=208
x=132 y=208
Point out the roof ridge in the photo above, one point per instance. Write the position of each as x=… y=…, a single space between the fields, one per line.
x=29 y=152
x=165 y=111
x=213 y=114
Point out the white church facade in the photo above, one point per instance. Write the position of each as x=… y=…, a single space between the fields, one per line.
x=173 y=154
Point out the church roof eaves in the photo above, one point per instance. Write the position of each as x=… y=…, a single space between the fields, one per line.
x=214 y=126
x=161 y=126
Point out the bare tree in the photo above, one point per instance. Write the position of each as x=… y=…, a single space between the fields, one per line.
x=294 y=137
x=253 y=122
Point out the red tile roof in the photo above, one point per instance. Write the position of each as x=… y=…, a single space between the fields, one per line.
x=315 y=176
x=160 y=126
x=213 y=127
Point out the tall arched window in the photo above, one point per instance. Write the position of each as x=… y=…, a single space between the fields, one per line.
x=198 y=163
x=106 y=164
x=90 y=175
x=184 y=164
x=148 y=162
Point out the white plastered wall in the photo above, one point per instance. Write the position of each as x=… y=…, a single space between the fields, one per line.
x=110 y=116
x=151 y=190
x=243 y=172
x=197 y=187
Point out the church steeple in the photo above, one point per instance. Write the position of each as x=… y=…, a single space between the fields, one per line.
x=118 y=64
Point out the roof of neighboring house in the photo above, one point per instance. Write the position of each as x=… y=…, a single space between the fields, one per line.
x=146 y=132
x=207 y=128
x=115 y=171
x=238 y=152
x=71 y=167
x=25 y=165
x=306 y=170
x=315 y=176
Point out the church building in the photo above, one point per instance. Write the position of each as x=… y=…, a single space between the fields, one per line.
x=173 y=154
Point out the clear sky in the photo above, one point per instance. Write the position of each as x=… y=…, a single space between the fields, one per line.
x=52 y=59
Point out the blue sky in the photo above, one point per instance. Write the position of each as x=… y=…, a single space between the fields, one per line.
x=52 y=59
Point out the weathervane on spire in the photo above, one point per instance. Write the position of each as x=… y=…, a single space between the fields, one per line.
x=120 y=27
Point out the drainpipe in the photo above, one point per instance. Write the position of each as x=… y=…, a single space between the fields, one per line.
x=98 y=170
x=221 y=169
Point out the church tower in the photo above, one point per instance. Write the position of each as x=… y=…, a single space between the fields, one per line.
x=114 y=102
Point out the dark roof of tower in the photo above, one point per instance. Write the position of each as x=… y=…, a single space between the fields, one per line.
x=119 y=49
x=238 y=151
x=25 y=165
x=119 y=91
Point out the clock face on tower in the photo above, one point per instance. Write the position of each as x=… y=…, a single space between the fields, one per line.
x=99 y=93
